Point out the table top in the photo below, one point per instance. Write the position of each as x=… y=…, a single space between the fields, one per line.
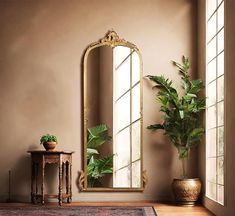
x=50 y=152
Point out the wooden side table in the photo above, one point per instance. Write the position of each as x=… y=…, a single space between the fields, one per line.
x=39 y=158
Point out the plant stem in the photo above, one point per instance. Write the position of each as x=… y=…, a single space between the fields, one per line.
x=184 y=162
x=183 y=167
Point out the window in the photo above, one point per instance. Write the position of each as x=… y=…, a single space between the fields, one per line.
x=126 y=103
x=215 y=101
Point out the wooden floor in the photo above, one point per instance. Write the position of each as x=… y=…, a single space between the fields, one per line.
x=170 y=210
x=162 y=209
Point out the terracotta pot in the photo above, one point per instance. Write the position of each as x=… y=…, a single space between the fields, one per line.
x=186 y=191
x=49 y=146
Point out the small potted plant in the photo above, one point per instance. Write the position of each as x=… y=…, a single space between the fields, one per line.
x=49 y=141
x=182 y=124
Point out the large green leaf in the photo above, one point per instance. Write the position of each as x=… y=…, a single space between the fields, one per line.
x=91 y=152
x=97 y=136
x=97 y=168
x=195 y=136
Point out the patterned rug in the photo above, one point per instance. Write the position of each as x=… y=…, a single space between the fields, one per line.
x=77 y=211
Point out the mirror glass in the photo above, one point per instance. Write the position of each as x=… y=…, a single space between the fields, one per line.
x=112 y=116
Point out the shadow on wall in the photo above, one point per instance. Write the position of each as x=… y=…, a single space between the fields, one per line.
x=164 y=158
x=20 y=180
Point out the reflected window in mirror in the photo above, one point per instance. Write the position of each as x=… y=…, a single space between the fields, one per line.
x=126 y=108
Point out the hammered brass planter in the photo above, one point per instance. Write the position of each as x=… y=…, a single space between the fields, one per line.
x=186 y=191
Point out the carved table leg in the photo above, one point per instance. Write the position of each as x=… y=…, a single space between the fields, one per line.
x=70 y=182
x=32 y=180
x=36 y=181
x=60 y=182
x=67 y=180
x=42 y=183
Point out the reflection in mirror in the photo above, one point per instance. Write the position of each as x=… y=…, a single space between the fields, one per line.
x=112 y=114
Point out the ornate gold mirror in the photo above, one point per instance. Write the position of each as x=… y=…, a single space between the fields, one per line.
x=113 y=158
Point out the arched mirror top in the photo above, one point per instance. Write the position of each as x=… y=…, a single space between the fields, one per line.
x=111 y=39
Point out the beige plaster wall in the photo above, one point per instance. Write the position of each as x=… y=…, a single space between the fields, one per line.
x=41 y=47
x=229 y=207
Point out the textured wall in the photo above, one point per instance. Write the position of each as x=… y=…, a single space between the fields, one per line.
x=41 y=47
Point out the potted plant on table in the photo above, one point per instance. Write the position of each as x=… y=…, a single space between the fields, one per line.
x=49 y=141
x=181 y=124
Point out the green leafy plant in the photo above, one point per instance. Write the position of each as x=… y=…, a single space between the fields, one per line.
x=97 y=167
x=181 y=114
x=48 y=138
x=97 y=136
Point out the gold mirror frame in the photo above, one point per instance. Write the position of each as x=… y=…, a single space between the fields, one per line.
x=111 y=39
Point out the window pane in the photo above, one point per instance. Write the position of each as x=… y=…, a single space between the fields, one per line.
x=122 y=149
x=211 y=117
x=122 y=112
x=211 y=27
x=136 y=141
x=211 y=169
x=220 y=88
x=211 y=143
x=211 y=71
x=136 y=103
x=211 y=190
x=135 y=68
x=220 y=170
x=120 y=53
x=220 y=107
x=136 y=174
x=221 y=16
x=122 y=178
x=221 y=64
x=211 y=6
x=220 y=191
x=221 y=41
x=220 y=148
x=122 y=75
x=211 y=94
x=211 y=49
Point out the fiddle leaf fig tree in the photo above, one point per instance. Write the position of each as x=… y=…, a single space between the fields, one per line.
x=181 y=114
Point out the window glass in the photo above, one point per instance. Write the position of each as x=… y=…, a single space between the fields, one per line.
x=211 y=71
x=211 y=49
x=211 y=27
x=136 y=141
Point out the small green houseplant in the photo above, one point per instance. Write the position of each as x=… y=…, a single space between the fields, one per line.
x=181 y=114
x=97 y=166
x=49 y=141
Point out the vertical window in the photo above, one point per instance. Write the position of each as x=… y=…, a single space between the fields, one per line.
x=126 y=130
x=215 y=100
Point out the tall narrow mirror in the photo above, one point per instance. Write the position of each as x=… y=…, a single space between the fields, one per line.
x=112 y=115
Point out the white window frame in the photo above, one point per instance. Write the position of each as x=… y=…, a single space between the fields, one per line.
x=217 y=154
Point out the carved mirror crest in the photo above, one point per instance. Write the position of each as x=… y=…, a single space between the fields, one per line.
x=112 y=76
